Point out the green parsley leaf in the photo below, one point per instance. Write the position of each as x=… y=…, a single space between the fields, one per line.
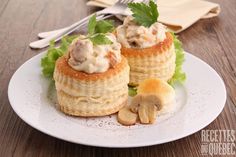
x=97 y=30
x=100 y=39
x=154 y=10
x=66 y=41
x=92 y=24
x=144 y=14
x=49 y=60
x=179 y=75
x=104 y=26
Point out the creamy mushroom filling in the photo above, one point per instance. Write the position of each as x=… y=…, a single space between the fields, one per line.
x=132 y=35
x=89 y=58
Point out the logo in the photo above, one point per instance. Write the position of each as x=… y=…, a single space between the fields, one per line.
x=218 y=142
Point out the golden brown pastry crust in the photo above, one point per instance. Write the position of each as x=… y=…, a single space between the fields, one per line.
x=154 y=50
x=156 y=86
x=157 y=61
x=63 y=67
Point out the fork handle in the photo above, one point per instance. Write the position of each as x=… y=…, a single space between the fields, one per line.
x=59 y=34
x=45 y=42
x=43 y=35
x=51 y=33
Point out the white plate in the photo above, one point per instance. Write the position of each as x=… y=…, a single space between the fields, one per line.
x=199 y=102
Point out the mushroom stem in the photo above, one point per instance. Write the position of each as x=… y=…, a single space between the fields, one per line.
x=146 y=105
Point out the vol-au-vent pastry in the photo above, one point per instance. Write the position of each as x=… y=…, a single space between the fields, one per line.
x=91 y=79
x=150 y=50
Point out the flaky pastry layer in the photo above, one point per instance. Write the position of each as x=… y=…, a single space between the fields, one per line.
x=155 y=62
x=82 y=94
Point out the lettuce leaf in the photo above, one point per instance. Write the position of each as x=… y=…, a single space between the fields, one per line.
x=132 y=91
x=179 y=75
x=49 y=60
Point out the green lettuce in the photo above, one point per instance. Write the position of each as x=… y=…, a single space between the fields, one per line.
x=179 y=75
x=49 y=60
x=132 y=91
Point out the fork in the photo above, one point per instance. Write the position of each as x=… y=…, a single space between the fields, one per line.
x=120 y=3
x=57 y=35
x=117 y=9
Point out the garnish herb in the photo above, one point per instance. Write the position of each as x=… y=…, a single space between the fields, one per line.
x=97 y=30
x=144 y=14
x=100 y=39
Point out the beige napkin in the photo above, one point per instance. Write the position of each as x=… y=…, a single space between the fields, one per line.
x=178 y=15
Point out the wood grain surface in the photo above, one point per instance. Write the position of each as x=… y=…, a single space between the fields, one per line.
x=212 y=40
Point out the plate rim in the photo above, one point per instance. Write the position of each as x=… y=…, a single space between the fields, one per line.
x=141 y=144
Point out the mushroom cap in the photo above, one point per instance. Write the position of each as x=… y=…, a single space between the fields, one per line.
x=157 y=87
x=145 y=99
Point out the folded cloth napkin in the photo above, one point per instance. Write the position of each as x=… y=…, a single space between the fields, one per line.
x=177 y=15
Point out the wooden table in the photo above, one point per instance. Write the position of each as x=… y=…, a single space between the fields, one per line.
x=212 y=40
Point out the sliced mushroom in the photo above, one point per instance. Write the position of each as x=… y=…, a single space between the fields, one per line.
x=126 y=117
x=146 y=105
x=147 y=113
x=152 y=110
x=153 y=99
x=143 y=113
x=136 y=103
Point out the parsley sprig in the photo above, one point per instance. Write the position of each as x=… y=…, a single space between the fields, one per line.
x=144 y=14
x=97 y=30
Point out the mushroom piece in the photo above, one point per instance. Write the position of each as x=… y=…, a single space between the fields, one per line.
x=112 y=59
x=126 y=117
x=80 y=50
x=146 y=105
x=135 y=103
